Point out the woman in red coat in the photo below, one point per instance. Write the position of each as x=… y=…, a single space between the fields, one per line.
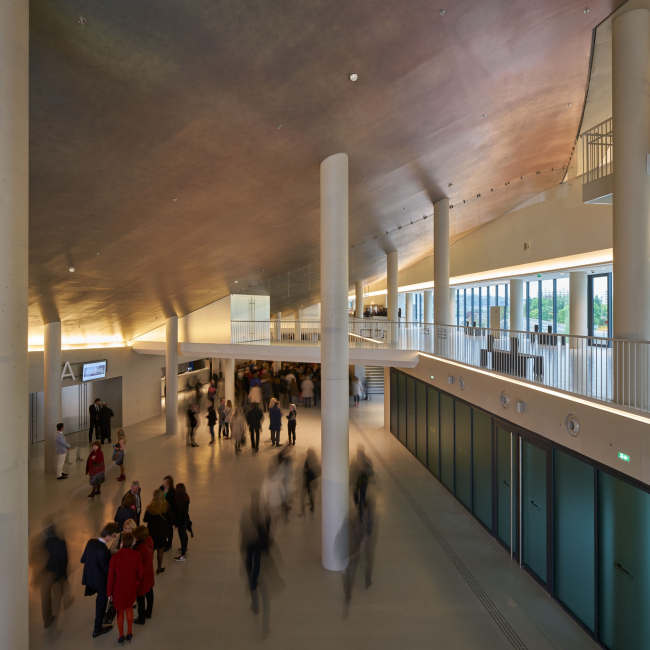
x=125 y=573
x=95 y=468
x=144 y=546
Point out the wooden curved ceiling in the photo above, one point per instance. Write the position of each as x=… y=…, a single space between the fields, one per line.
x=159 y=171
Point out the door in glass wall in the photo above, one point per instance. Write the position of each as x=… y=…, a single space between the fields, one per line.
x=506 y=489
x=447 y=441
x=421 y=422
x=482 y=467
x=393 y=403
x=600 y=309
x=534 y=462
x=463 y=457
x=401 y=408
x=562 y=305
x=624 y=564
x=410 y=414
x=433 y=437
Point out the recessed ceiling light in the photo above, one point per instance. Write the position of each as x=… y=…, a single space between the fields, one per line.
x=484 y=115
x=569 y=104
x=82 y=20
x=97 y=253
x=71 y=269
x=586 y=10
x=442 y=12
x=236 y=281
x=450 y=185
x=174 y=200
x=354 y=76
x=279 y=126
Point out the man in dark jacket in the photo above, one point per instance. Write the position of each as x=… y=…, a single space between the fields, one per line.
x=96 y=559
x=105 y=415
x=275 y=416
x=93 y=418
x=255 y=417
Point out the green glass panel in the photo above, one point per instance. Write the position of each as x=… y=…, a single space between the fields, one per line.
x=506 y=507
x=533 y=509
x=393 y=403
x=401 y=409
x=410 y=414
x=574 y=550
x=464 y=454
x=482 y=466
x=433 y=441
x=447 y=441
x=422 y=422
x=624 y=564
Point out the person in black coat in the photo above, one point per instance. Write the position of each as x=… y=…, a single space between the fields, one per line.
x=181 y=518
x=96 y=559
x=255 y=417
x=169 y=492
x=126 y=511
x=105 y=415
x=93 y=418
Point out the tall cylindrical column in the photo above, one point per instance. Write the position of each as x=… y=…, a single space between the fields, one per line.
x=631 y=221
x=358 y=307
x=392 y=296
x=441 y=273
x=452 y=306
x=275 y=328
x=297 y=315
x=516 y=299
x=52 y=391
x=334 y=359
x=578 y=309
x=408 y=301
x=171 y=374
x=428 y=306
x=229 y=379
x=14 y=406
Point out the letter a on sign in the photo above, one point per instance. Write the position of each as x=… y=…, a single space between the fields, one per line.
x=67 y=371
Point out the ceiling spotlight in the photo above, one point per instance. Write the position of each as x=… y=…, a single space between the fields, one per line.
x=586 y=10
x=97 y=253
x=442 y=12
x=450 y=185
x=569 y=104
x=71 y=269
x=354 y=76
x=236 y=281
x=484 y=115
x=279 y=126
x=82 y=20
x=174 y=200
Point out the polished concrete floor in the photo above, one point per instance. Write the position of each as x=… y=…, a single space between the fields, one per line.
x=439 y=579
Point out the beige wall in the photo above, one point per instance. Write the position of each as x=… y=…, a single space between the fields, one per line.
x=140 y=378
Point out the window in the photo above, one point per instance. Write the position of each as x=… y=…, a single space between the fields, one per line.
x=533 y=306
x=562 y=305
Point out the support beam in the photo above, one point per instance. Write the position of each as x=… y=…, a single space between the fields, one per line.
x=297 y=316
x=392 y=293
x=516 y=298
x=52 y=391
x=335 y=359
x=358 y=307
x=14 y=405
x=171 y=375
x=452 y=306
x=408 y=301
x=578 y=311
x=428 y=307
x=229 y=379
x=441 y=273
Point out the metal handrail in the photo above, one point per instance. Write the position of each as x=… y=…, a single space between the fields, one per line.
x=598 y=151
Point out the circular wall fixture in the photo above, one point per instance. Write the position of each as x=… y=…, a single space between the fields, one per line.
x=505 y=400
x=461 y=383
x=572 y=425
x=354 y=76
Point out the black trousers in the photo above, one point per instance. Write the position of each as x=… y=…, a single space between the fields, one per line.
x=145 y=612
x=93 y=426
x=255 y=437
x=182 y=534
x=100 y=610
x=292 y=431
x=275 y=437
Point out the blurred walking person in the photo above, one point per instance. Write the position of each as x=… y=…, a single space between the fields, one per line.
x=255 y=417
x=238 y=427
x=144 y=546
x=192 y=423
x=221 y=412
x=310 y=473
x=357 y=391
x=125 y=573
x=227 y=418
x=363 y=539
x=62 y=448
x=158 y=519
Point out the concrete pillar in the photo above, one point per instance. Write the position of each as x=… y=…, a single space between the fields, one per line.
x=277 y=366
x=578 y=309
x=441 y=273
x=453 y=312
x=276 y=327
x=297 y=315
x=392 y=296
x=14 y=405
x=428 y=306
x=335 y=436
x=171 y=375
x=358 y=307
x=516 y=302
x=408 y=298
x=52 y=391
x=229 y=379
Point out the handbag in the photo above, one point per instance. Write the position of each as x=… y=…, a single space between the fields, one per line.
x=118 y=454
x=109 y=617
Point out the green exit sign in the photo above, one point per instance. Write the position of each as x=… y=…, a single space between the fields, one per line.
x=623 y=456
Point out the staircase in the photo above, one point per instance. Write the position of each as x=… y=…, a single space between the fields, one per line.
x=375 y=380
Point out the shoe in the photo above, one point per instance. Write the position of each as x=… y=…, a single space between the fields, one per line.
x=129 y=637
x=92 y=495
x=104 y=630
x=147 y=615
x=180 y=558
x=60 y=478
x=159 y=571
x=211 y=443
x=167 y=548
x=49 y=621
x=64 y=474
x=137 y=621
x=121 y=640
x=121 y=478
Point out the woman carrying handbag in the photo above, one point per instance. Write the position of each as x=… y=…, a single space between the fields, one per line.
x=95 y=468
x=118 y=453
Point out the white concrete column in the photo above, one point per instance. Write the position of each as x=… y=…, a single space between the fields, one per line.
x=452 y=306
x=358 y=307
x=335 y=436
x=408 y=299
x=441 y=273
x=14 y=395
x=277 y=366
x=428 y=306
x=297 y=315
x=276 y=329
x=52 y=391
x=392 y=295
x=516 y=302
x=229 y=379
x=578 y=308
x=171 y=375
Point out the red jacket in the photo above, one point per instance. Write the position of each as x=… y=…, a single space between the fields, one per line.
x=145 y=549
x=125 y=573
x=95 y=463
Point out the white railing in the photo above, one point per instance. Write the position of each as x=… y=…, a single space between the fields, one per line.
x=598 y=151
x=609 y=370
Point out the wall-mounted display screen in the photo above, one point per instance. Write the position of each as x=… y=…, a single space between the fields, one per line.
x=95 y=370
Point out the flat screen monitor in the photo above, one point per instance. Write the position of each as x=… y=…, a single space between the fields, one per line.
x=95 y=370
